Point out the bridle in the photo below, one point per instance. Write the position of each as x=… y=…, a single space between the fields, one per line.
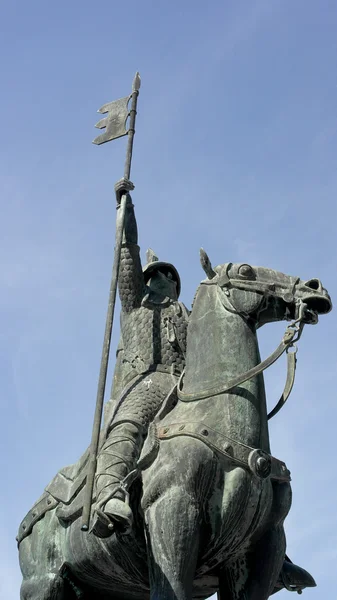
x=288 y=344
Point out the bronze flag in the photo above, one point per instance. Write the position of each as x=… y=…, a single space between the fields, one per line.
x=115 y=122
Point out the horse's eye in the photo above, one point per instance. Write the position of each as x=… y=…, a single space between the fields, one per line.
x=246 y=271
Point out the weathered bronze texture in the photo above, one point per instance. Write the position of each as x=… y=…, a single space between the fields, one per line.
x=210 y=522
x=179 y=494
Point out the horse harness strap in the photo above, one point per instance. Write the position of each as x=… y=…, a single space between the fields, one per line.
x=286 y=343
x=257 y=461
x=47 y=502
x=291 y=371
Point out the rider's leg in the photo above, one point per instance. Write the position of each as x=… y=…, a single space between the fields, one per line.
x=117 y=458
x=121 y=450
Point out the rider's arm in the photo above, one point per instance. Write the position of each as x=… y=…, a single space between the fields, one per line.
x=131 y=280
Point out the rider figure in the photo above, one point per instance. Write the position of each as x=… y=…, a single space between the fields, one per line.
x=153 y=332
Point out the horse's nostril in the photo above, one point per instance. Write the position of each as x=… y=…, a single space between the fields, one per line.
x=313 y=284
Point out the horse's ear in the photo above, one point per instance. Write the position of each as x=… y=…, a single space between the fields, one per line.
x=151 y=256
x=206 y=264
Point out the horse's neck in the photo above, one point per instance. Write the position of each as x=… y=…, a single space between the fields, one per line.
x=221 y=345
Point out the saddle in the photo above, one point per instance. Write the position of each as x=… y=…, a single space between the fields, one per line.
x=65 y=491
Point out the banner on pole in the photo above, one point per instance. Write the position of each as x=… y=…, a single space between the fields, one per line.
x=115 y=122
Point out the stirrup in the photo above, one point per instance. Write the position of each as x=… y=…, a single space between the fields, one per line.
x=116 y=517
x=115 y=514
x=120 y=513
x=102 y=526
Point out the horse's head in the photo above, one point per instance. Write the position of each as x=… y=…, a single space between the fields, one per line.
x=264 y=295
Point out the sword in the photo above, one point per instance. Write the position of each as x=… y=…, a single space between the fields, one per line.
x=115 y=127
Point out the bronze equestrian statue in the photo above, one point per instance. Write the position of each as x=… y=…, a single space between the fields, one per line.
x=202 y=508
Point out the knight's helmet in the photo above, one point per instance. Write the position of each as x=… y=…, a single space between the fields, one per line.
x=154 y=264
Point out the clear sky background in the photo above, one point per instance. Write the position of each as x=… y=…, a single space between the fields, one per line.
x=235 y=151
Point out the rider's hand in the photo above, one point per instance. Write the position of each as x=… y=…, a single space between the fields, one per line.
x=123 y=186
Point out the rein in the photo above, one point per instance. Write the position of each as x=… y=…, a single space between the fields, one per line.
x=291 y=335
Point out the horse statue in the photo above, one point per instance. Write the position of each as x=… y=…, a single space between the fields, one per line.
x=210 y=500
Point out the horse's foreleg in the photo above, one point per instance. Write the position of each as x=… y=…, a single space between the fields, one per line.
x=269 y=550
x=268 y=560
x=47 y=587
x=233 y=580
x=172 y=524
x=41 y=559
x=175 y=489
x=254 y=577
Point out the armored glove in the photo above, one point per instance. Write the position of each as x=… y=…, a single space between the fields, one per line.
x=123 y=186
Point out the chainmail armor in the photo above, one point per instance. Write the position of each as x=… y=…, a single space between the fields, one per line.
x=143 y=401
x=154 y=335
x=131 y=284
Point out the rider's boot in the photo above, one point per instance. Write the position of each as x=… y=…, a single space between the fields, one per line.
x=293 y=578
x=117 y=458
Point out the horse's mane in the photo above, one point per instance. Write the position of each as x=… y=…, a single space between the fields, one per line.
x=195 y=295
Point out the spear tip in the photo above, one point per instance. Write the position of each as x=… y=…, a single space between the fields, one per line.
x=136 y=82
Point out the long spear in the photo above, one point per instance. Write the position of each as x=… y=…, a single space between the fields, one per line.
x=115 y=127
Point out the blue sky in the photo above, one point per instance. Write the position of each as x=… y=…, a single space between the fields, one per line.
x=235 y=151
